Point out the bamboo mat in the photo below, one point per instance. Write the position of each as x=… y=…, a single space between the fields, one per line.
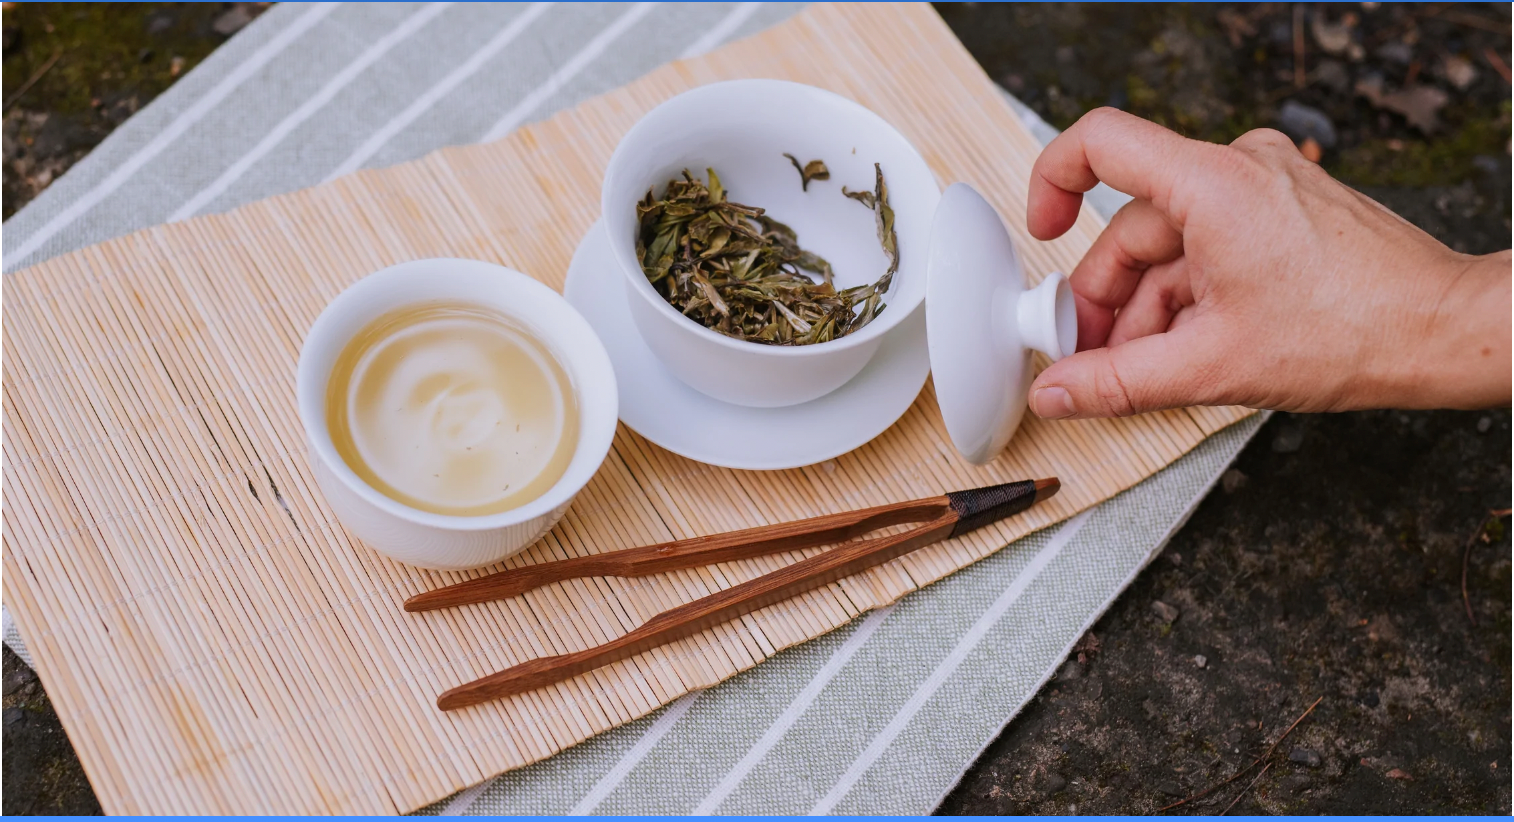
x=212 y=639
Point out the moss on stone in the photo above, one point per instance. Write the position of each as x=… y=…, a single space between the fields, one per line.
x=104 y=49
x=1444 y=160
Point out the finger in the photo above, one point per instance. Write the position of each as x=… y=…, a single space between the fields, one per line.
x=1094 y=321
x=1171 y=370
x=1137 y=238
x=1123 y=151
x=1161 y=294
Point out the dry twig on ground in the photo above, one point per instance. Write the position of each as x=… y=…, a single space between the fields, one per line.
x=1497 y=63
x=1466 y=556
x=32 y=80
x=1246 y=790
x=1300 y=76
x=1254 y=763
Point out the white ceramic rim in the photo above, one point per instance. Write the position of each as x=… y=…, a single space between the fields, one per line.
x=589 y=369
x=638 y=278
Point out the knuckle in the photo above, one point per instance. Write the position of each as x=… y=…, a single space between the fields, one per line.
x=1272 y=153
x=1263 y=139
x=1103 y=114
x=1101 y=119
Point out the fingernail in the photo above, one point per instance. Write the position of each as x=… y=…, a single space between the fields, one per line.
x=1053 y=403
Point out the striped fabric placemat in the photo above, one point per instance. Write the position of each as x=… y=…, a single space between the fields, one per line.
x=308 y=93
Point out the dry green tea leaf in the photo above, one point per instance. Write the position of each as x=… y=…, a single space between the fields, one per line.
x=864 y=197
x=733 y=269
x=813 y=170
x=886 y=234
x=877 y=200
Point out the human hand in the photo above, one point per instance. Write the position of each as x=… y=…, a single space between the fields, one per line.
x=1245 y=275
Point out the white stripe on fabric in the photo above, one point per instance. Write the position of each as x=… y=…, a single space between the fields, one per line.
x=791 y=714
x=213 y=98
x=463 y=801
x=380 y=138
x=569 y=70
x=948 y=666
x=722 y=30
x=292 y=121
x=633 y=757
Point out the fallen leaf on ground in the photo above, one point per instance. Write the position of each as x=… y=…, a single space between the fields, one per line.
x=1236 y=26
x=1087 y=646
x=1419 y=104
x=1459 y=71
x=1398 y=773
x=232 y=20
x=1332 y=37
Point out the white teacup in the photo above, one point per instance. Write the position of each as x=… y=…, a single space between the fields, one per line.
x=435 y=540
x=742 y=129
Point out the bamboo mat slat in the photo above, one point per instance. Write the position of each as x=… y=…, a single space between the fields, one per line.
x=213 y=640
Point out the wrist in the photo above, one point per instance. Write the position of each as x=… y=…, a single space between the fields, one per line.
x=1460 y=355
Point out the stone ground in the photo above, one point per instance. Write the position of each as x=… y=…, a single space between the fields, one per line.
x=1328 y=564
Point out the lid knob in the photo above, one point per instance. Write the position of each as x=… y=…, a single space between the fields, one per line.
x=1048 y=318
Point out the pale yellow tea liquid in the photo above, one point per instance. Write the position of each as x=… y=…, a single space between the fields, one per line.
x=452 y=408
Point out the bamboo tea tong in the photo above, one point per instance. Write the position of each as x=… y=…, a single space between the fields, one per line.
x=942 y=517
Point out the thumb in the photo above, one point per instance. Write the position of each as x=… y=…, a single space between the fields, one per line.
x=1170 y=370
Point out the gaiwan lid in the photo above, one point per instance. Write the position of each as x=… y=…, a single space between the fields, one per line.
x=983 y=324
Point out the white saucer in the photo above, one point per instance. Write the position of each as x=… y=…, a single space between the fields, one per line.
x=658 y=406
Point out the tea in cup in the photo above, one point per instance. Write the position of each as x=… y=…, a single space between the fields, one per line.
x=453 y=409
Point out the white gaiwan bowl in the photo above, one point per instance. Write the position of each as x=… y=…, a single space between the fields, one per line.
x=742 y=129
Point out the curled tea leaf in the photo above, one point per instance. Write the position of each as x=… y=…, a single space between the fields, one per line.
x=877 y=201
x=864 y=197
x=813 y=170
x=886 y=234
